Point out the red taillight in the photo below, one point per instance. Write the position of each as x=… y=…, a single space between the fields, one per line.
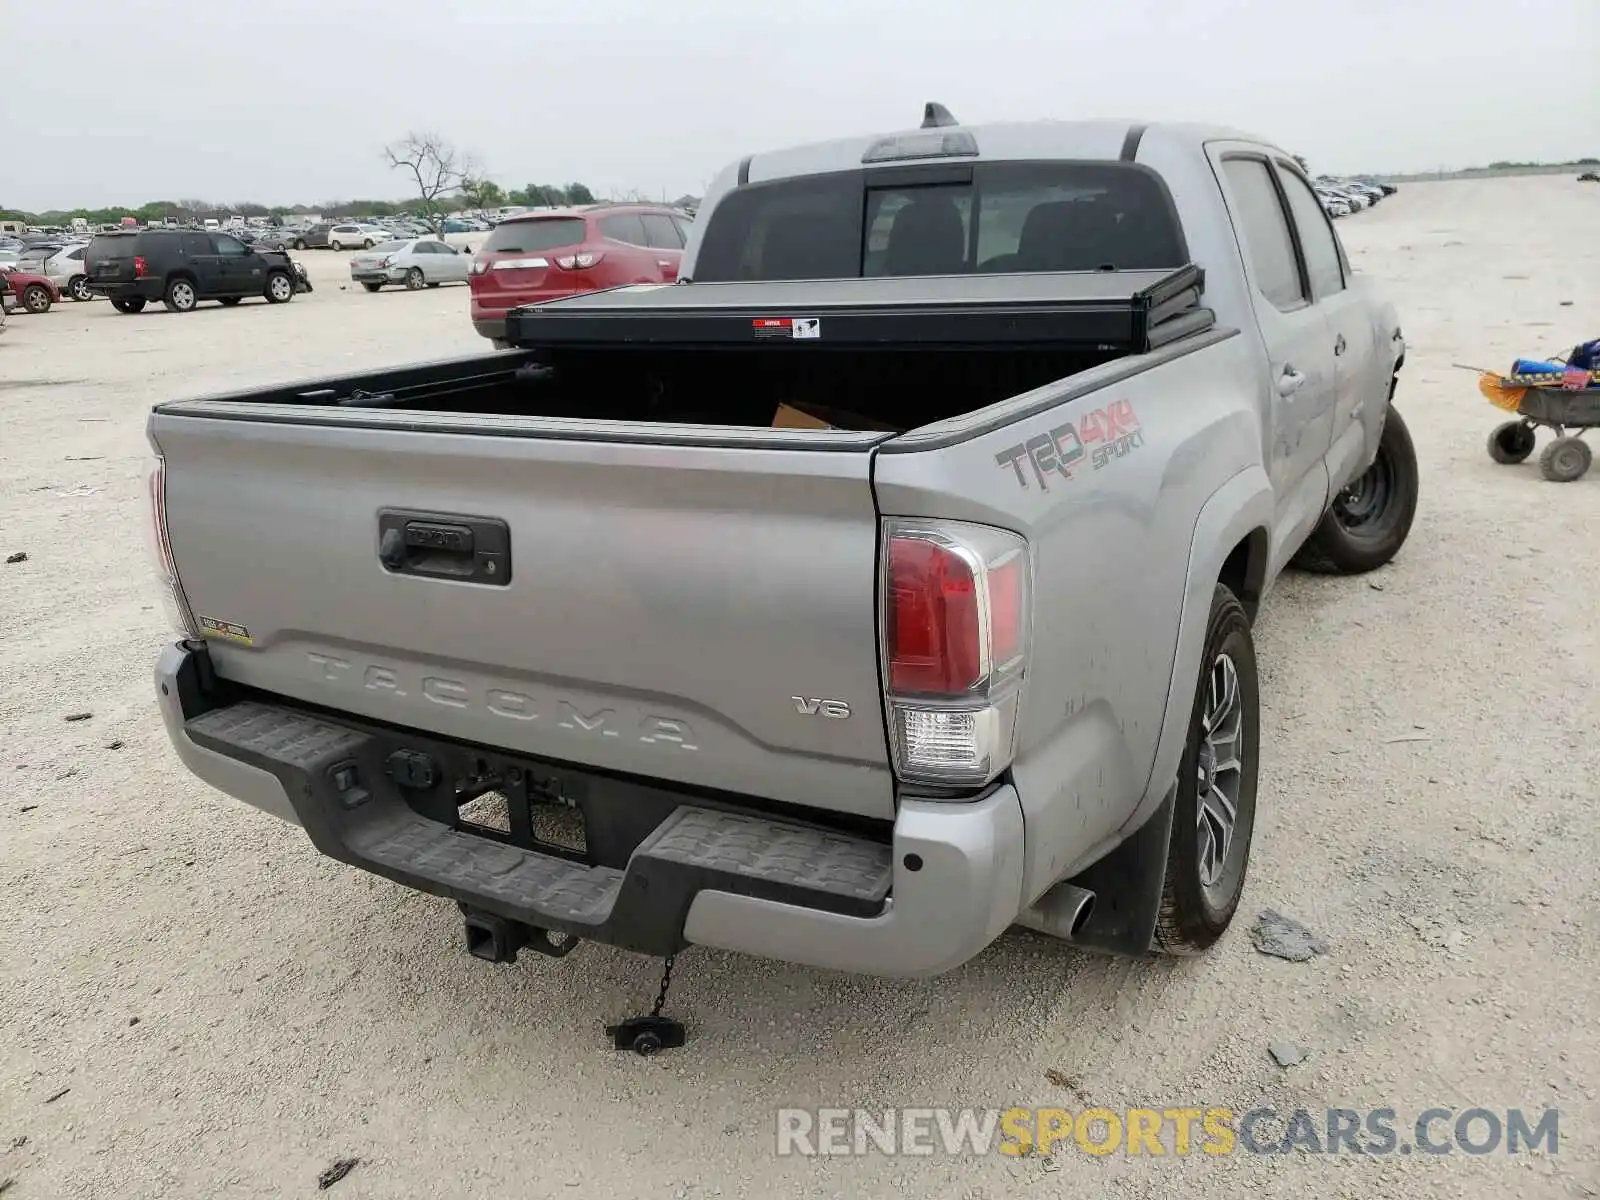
x=933 y=631
x=139 y=267
x=581 y=261
x=955 y=613
x=1007 y=610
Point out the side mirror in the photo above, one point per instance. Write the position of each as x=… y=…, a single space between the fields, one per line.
x=466 y=249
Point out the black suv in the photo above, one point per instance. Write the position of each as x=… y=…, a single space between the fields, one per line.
x=181 y=267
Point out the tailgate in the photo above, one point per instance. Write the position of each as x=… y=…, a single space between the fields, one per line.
x=656 y=611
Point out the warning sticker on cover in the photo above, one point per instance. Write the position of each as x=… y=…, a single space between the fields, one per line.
x=803 y=328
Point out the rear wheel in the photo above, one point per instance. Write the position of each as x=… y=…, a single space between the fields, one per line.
x=181 y=296
x=128 y=304
x=1214 y=800
x=372 y=287
x=366 y=244
x=35 y=298
x=78 y=288
x=1565 y=460
x=335 y=246
x=1511 y=442
x=299 y=243
x=1370 y=519
x=280 y=288
x=414 y=279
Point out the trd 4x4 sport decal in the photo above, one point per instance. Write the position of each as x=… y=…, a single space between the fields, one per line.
x=1100 y=437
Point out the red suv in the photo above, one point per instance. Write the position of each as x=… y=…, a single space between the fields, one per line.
x=561 y=252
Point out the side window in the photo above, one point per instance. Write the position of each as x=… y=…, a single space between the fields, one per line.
x=663 y=234
x=1265 y=230
x=442 y=248
x=1317 y=241
x=76 y=255
x=624 y=227
x=229 y=245
x=196 y=243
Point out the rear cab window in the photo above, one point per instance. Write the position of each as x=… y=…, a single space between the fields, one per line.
x=541 y=233
x=1002 y=217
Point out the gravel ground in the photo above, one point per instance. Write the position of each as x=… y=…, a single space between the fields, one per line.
x=196 y=1004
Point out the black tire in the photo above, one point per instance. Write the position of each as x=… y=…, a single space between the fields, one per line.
x=1371 y=518
x=415 y=279
x=500 y=343
x=335 y=246
x=36 y=298
x=182 y=295
x=78 y=288
x=1565 y=460
x=372 y=287
x=300 y=244
x=1196 y=909
x=229 y=301
x=1511 y=442
x=366 y=244
x=128 y=304
x=280 y=287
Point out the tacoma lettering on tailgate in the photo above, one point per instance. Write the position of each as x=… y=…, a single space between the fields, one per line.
x=558 y=712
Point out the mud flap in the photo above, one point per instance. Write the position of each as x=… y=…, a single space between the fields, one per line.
x=1126 y=885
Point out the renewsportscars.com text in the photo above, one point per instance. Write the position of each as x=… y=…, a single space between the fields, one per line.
x=1161 y=1132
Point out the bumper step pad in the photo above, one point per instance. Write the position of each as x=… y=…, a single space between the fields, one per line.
x=334 y=776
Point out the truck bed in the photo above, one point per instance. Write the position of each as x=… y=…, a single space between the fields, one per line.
x=875 y=355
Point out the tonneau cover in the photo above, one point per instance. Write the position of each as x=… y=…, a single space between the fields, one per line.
x=1131 y=311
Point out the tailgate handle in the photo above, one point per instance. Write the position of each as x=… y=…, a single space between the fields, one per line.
x=442 y=546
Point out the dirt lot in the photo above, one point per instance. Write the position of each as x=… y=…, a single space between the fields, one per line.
x=196 y=1004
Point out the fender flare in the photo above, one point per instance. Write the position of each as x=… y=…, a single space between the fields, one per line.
x=1235 y=510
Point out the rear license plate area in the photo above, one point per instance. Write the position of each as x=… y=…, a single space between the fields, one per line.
x=546 y=808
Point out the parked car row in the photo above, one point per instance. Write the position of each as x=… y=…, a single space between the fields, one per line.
x=1341 y=197
x=60 y=262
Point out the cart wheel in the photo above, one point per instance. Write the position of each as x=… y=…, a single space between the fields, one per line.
x=1511 y=442
x=1565 y=459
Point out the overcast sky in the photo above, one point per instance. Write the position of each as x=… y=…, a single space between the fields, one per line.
x=279 y=101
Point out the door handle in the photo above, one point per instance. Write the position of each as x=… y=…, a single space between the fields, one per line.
x=1339 y=345
x=1290 y=382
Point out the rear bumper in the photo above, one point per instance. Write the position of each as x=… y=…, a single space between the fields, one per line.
x=490 y=327
x=148 y=289
x=379 y=275
x=696 y=870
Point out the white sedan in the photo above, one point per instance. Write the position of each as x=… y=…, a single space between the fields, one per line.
x=415 y=262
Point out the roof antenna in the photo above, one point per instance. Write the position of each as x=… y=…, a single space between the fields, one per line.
x=936 y=116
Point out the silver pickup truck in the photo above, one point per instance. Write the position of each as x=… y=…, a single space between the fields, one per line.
x=886 y=583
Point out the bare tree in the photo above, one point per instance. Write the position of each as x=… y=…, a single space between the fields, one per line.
x=437 y=167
